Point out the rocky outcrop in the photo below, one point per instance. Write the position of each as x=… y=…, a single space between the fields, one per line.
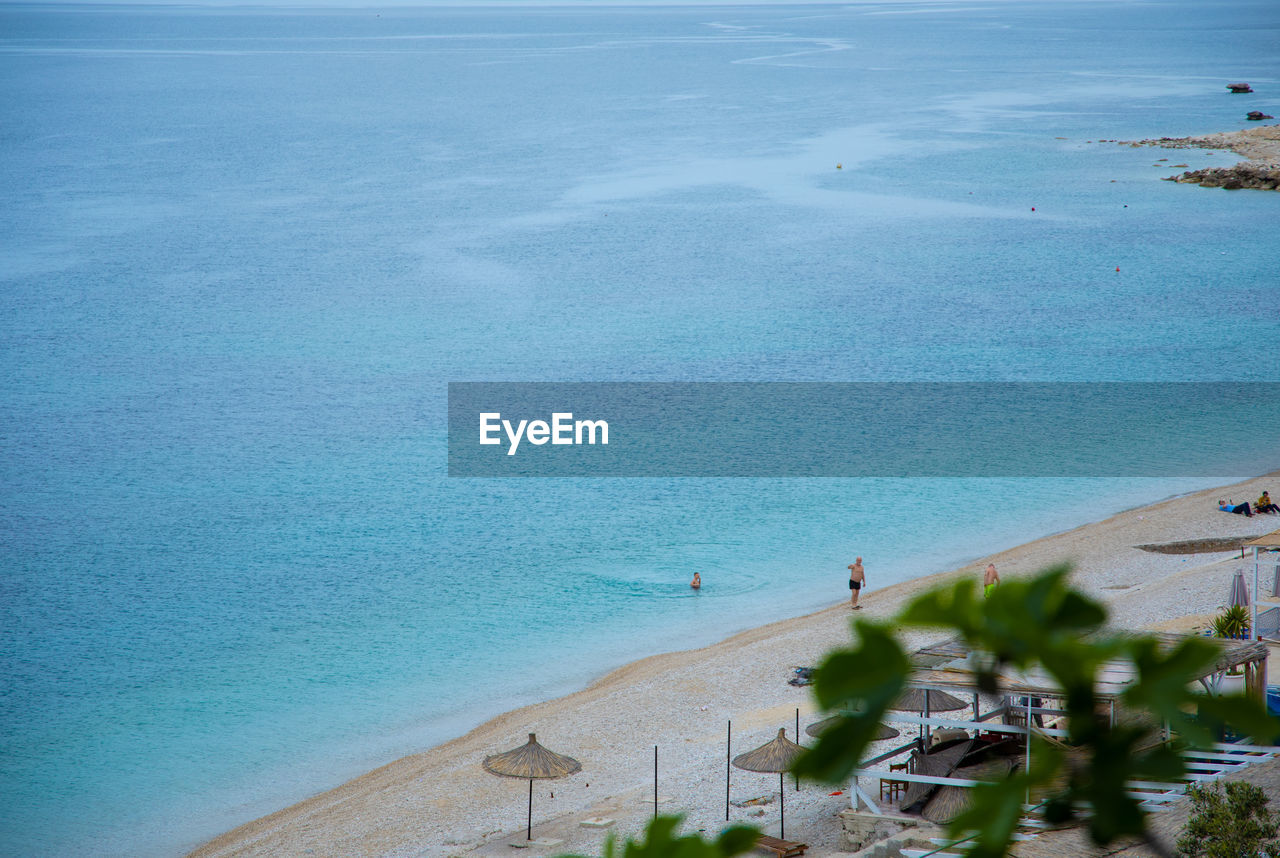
x=1241 y=176
x=1261 y=145
x=1255 y=115
x=1239 y=87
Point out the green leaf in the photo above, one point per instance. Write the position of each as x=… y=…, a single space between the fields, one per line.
x=994 y=809
x=867 y=678
x=1240 y=713
x=661 y=841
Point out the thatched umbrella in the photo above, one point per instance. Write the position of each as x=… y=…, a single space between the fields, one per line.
x=927 y=701
x=531 y=760
x=816 y=730
x=776 y=756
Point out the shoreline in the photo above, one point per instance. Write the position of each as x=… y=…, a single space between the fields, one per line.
x=1259 y=146
x=440 y=802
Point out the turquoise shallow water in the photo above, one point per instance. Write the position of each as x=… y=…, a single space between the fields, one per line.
x=243 y=251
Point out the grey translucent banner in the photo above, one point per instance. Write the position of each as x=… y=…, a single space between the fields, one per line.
x=783 y=429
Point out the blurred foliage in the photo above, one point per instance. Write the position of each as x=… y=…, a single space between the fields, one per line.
x=662 y=841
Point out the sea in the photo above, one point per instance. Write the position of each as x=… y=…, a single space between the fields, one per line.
x=245 y=249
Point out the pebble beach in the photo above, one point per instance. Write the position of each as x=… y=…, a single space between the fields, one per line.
x=442 y=803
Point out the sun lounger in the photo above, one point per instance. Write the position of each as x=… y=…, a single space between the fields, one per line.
x=782 y=848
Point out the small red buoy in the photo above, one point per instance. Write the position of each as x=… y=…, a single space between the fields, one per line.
x=1033 y=208
x=1117 y=268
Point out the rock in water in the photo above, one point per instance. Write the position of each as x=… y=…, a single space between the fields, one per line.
x=1244 y=175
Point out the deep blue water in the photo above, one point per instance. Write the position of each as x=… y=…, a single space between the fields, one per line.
x=242 y=252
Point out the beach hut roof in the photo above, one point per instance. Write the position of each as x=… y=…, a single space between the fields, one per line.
x=776 y=756
x=531 y=760
x=1267 y=540
x=948 y=665
x=949 y=801
x=938 y=763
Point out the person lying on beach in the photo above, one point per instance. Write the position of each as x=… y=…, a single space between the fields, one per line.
x=696 y=583
x=1264 y=504
x=1240 y=509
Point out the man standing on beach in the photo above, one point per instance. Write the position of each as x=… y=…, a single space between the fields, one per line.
x=990 y=580
x=856 y=579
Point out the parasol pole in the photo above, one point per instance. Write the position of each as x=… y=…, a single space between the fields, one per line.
x=797 y=742
x=1253 y=625
x=728 y=749
x=528 y=831
x=1028 y=699
x=782 y=801
x=923 y=728
x=655 y=780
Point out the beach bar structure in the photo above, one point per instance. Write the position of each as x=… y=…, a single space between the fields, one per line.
x=1267 y=542
x=1025 y=708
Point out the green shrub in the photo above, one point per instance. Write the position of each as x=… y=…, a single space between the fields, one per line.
x=1231 y=824
x=1232 y=623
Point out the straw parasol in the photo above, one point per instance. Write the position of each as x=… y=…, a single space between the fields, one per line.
x=927 y=700
x=816 y=730
x=531 y=761
x=776 y=756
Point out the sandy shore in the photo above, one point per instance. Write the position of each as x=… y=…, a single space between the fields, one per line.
x=441 y=803
x=1260 y=144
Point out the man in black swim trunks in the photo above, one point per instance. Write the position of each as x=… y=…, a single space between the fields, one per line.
x=857 y=578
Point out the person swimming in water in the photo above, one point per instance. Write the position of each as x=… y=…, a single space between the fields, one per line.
x=696 y=583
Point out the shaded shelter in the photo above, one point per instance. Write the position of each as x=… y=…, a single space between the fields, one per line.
x=1266 y=542
x=531 y=761
x=939 y=764
x=948 y=802
x=775 y=756
x=953 y=664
